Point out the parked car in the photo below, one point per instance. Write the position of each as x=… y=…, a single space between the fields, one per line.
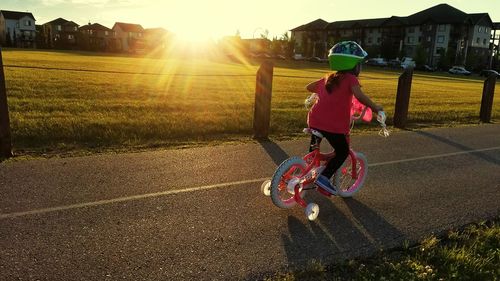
x=407 y=62
x=459 y=70
x=317 y=59
x=298 y=57
x=376 y=62
x=425 y=67
x=394 y=63
x=488 y=72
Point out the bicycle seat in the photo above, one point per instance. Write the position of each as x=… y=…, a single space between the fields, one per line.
x=313 y=132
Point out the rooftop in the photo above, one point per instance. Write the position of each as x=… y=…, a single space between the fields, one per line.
x=14 y=15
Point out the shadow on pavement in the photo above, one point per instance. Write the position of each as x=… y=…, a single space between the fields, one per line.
x=376 y=227
x=337 y=234
x=274 y=151
x=481 y=155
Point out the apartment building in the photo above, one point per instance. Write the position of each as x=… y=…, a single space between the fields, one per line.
x=438 y=33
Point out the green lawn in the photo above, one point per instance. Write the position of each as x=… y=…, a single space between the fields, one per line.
x=128 y=103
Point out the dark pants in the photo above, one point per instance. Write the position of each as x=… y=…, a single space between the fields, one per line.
x=341 y=146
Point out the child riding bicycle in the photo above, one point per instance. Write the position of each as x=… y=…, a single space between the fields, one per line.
x=331 y=114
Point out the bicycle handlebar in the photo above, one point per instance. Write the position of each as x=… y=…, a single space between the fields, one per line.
x=381 y=117
x=360 y=116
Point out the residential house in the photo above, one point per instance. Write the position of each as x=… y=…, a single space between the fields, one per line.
x=130 y=37
x=60 y=34
x=157 y=40
x=441 y=34
x=17 y=29
x=97 y=37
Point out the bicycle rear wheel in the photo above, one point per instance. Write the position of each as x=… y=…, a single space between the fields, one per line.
x=288 y=173
x=346 y=184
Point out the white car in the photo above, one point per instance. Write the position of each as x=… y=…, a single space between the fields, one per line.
x=407 y=62
x=459 y=70
x=376 y=62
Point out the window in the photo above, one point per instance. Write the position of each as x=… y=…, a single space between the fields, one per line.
x=484 y=41
x=477 y=40
x=429 y=39
x=440 y=51
x=106 y=33
x=481 y=29
x=58 y=28
x=75 y=28
x=440 y=39
x=91 y=32
x=71 y=36
x=27 y=23
x=441 y=27
x=411 y=39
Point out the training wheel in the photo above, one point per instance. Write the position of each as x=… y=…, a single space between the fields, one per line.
x=266 y=187
x=312 y=211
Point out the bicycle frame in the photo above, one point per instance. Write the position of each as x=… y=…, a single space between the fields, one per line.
x=296 y=175
x=313 y=160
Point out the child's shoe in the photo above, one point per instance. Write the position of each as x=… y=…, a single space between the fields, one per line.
x=325 y=183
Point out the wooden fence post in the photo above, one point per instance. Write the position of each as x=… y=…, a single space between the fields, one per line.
x=263 y=93
x=5 y=138
x=487 y=99
x=403 y=98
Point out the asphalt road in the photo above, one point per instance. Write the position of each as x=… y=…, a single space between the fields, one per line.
x=198 y=214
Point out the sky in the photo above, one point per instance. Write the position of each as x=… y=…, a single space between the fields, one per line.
x=205 y=19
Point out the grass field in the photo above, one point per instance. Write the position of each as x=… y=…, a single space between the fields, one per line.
x=89 y=102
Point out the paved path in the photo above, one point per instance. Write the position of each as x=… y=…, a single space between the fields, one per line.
x=198 y=214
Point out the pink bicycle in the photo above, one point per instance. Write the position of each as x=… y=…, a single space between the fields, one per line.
x=296 y=175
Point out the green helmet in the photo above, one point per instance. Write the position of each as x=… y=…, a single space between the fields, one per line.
x=346 y=55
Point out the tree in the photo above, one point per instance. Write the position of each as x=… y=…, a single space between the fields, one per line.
x=388 y=51
x=373 y=51
x=475 y=62
x=8 y=41
x=265 y=34
x=421 y=56
x=285 y=37
x=290 y=48
x=15 y=40
x=446 y=58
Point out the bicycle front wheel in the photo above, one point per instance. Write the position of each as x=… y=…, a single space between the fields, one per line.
x=286 y=177
x=347 y=182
